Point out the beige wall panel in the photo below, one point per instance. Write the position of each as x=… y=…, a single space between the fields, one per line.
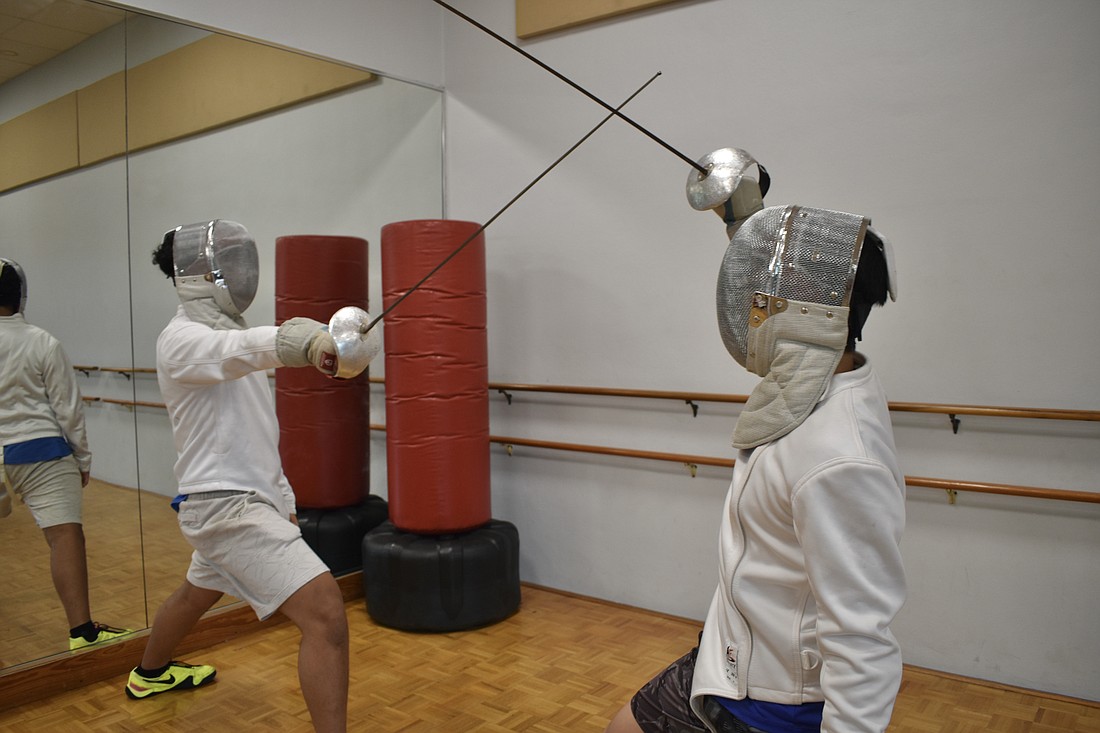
x=219 y=80
x=534 y=17
x=39 y=144
x=101 y=119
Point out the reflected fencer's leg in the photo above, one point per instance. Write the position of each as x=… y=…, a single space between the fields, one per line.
x=69 y=568
x=175 y=617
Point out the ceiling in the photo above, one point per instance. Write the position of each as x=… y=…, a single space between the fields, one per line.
x=34 y=31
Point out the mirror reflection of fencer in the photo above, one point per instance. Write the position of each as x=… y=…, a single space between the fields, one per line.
x=235 y=506
x=44 y=456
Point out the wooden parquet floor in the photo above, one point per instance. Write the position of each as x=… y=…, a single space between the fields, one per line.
x=562 y=664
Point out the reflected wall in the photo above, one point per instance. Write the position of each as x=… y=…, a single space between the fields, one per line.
x=346 y=163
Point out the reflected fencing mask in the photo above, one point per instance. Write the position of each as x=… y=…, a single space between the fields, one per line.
x=13 y=283
x=217 y=272
x=783 y=295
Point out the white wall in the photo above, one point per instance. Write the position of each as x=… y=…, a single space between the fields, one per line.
x=968 y=133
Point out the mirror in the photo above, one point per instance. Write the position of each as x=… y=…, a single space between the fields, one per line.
x=67 y=228
x=347 y=155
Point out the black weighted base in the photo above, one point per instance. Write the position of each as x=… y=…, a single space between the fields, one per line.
x=336 y=534
x=420 y=582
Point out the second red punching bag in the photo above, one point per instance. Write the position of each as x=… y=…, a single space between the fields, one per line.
x=437 y=405
x=324 y=423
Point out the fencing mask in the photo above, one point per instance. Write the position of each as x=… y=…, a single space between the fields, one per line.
x=13 y=283
x=217 y=271
x=783 y=296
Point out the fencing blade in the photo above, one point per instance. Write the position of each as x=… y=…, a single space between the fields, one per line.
x=614 y=110
x=494 y=217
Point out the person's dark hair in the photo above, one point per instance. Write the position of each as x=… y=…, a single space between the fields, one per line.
x=11 y=288
x=870 y=288
x=162 y=255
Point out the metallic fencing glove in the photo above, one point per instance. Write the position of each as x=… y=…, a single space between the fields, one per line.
x=217 y=272
x=12 y=276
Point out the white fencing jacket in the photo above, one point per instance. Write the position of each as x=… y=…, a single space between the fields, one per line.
x=40 y=396
x=810 y=571
x=215 y=385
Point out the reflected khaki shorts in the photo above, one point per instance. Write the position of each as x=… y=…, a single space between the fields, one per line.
x=247 y=548
x=50 y=489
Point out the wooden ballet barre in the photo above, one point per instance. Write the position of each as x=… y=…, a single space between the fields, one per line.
x=127 y=403
x=1032 y=492
x=1087 y=497
x=1035 y=413
x=117 y=370
x=687 y=460
x=612 y=392
x=1038 y=413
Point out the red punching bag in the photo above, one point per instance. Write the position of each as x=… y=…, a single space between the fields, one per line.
x=324 y=423
x=437 y=405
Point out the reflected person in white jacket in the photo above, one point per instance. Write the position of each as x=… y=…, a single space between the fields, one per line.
x=44 y=456
x=797 y=638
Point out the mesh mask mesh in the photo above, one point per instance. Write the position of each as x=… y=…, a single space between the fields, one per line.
x=792 y=252
x=225 y=252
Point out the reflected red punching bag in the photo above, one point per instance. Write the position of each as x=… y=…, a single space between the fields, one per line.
x=324 y=423
x=437 y=406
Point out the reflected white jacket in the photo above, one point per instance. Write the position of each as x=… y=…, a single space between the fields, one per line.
x=40 y=397
x=215 y=385
x=810 y=568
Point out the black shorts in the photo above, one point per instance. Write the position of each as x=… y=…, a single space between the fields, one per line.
x=663 y=705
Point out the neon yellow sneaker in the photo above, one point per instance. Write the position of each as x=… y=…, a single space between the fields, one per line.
x=104 y=633
x=178 y=676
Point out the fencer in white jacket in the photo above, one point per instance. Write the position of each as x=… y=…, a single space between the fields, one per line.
x=797 y=637
x=236 y=507
x=810 y=573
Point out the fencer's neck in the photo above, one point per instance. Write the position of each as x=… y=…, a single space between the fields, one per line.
x=4 y=312
x=850 y=361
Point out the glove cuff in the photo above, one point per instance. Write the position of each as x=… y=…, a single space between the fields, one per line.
x=293 y=339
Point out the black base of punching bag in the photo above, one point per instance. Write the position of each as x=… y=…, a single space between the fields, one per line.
x=336 y=535
x=416 y=582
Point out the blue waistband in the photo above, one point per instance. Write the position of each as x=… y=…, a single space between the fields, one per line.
x=37 y=450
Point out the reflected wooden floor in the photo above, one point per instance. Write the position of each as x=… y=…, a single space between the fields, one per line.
x=32 y=622
x=562 y=664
